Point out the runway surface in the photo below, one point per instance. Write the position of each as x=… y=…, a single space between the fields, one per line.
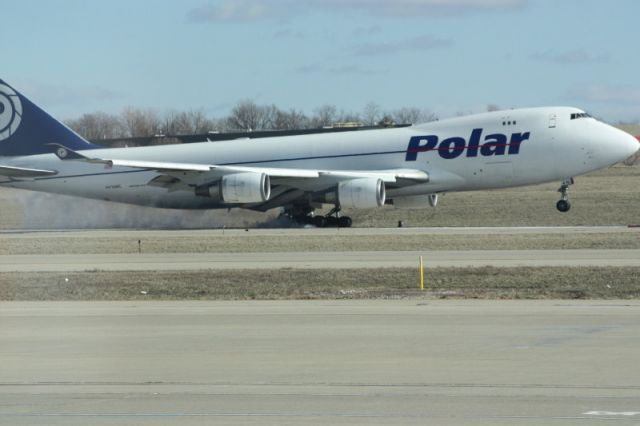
x=301 y=363
x=317 y=260
x=312 y=231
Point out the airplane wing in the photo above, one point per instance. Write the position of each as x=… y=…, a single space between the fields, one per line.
x=23 y=172
x=186 y=176
x=279 y=174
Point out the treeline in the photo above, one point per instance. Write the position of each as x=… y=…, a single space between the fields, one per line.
x=245 y=116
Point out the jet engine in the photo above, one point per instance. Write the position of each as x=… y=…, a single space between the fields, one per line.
x=239 y=188
x=361 y=193
x=415 y=201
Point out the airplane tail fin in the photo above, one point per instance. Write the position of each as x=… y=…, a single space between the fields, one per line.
x=25 y=129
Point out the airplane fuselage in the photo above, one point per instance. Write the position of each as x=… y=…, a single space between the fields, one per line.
x=483 y=151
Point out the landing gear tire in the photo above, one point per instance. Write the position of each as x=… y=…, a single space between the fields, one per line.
x=319 y=221
x=335 y=220
x=302 y=219
x=332 y=221
x=563 y=205
x=344 y=222
x=304 y=216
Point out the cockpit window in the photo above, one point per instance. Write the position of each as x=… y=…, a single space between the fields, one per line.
x=576 y=115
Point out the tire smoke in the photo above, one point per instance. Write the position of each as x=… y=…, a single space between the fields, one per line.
x=52 y=211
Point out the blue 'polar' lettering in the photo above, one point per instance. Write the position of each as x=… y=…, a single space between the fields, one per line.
x=494 y=144
x=452 y=147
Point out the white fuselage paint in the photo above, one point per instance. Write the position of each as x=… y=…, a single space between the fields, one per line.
x=557 y=148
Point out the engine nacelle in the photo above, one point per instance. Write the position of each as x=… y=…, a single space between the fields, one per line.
x=361 y=193
x=239 y=188
x=415 y=201
x=245 y=188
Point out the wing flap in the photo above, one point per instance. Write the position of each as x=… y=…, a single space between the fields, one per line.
x=24 y=172
x=154 y=165
x=387 y=176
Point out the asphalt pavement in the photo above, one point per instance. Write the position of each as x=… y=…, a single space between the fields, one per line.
x=320 y=362
x=316 y=260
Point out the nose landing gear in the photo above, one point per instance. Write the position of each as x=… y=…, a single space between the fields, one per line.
x=563 y=204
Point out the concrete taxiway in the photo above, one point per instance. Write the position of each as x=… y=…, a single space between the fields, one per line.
x=315 y=260
x=296 y=363
x=311 y=231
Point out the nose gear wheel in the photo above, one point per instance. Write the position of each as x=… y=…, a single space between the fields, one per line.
x=563 y=205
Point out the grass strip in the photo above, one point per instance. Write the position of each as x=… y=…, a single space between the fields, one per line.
x=289 y=284
x=277 y=243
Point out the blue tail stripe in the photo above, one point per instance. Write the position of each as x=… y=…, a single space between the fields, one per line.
x=25 y=129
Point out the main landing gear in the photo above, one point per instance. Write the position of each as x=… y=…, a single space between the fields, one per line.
x=563 y=204
x=320 y=221
x=333 y=219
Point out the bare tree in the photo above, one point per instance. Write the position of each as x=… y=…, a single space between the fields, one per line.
x=427 y=116
x=413 y=115
x=186 y=122
x=371 y=114
x=199 y=121
x=386 y=121
x=493 y=107
x=246 y=115
x=349 y=117
x=406 y=115
x=290 y=120
x=139 y=122
x=175 y=123
x=98 y=125
x=324 y=116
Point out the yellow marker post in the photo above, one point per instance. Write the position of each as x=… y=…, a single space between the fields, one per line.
x=421 y=274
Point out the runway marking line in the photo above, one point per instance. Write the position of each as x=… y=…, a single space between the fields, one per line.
x=613 y=413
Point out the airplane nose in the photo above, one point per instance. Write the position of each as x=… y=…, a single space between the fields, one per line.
x=626 y=144
x=621 y=145
x=634 y=144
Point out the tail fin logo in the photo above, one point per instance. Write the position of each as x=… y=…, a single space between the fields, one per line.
x=10 y=112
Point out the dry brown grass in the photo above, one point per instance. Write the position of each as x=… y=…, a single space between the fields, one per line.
x=281 y=243
x=485 y=283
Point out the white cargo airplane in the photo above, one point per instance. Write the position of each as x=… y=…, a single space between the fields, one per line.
x=407 y=167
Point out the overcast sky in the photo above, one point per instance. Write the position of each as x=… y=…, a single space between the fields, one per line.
x=451 y=56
